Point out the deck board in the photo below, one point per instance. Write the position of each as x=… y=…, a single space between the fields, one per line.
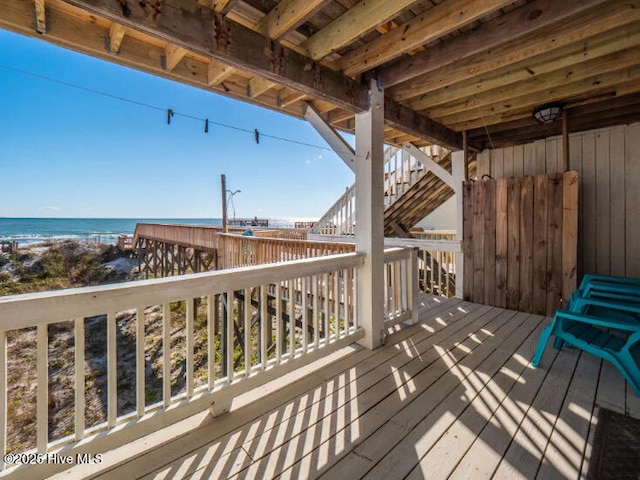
x=454 y=396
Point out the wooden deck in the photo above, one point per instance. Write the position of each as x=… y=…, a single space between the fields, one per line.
x=452 y=397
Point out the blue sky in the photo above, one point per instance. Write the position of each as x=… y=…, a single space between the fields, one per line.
x=69 y=153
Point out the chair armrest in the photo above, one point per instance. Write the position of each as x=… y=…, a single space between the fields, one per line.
x=629 y=325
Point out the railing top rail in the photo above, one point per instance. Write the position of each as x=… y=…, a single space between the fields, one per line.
x=27 y=310
x=286 y=241
x=423 y=244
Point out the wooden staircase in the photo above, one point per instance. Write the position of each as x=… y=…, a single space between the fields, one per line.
x=411 y=193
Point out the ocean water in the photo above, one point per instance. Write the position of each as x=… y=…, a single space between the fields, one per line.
x=104 y=230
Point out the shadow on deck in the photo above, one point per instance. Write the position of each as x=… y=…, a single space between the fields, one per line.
x=451 y=397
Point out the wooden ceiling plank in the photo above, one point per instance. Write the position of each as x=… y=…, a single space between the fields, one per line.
x=623 y=82
x=286 y=16
x=218 y=72
x=606 y=17
x=438 y=21
x=41 y=16
x=358 y=20
x=116 y=34
x=602 y=45
x=187 y=25
x=539 y=83
x=173 y=55
x=259 y=85
x=503 y=29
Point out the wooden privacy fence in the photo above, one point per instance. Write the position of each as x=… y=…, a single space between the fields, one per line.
x=520 y=241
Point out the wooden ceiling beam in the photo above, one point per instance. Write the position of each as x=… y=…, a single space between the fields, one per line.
x=432 y=24
x=499 y=31
x=605 y=44
x=116 y=34
x=358 y=20
x=173 y=55
x=286 y=16
x=540 y=83
x=623 y=82
x=595 y=21
x=190 y=26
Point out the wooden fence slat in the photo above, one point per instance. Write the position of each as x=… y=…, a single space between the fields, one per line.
x=588 y=238
x=569 y=234
x=513 y=244
x=478 y=244
x=554 y=243
x=603 y=203
x=467 y=228
x=539 y=293
x=490 y=242
x=526 y=244
x=617 y=179
x=632 y=196
x=502 y=235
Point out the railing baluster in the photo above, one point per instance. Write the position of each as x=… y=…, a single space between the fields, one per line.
x=140 y=361
x=279 y=332
x=42 y=412
x=3 y=397
x=316 y=328
x=326 y=291
x=305 y=314
x=211 y=340
x=189 y=345
x=264 y=330
x=79 y=342
x=247 y=331
x=230 y=334
x=112 y=370
x=292 y=319
x=336 y=305
x=166 y=354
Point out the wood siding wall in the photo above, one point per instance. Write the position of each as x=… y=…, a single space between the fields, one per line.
x=608 y=165
x=520 y=241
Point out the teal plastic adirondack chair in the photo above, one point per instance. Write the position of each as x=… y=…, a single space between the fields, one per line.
x=587 y=324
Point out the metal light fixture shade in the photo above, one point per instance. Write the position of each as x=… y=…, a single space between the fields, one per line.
x=548 y=113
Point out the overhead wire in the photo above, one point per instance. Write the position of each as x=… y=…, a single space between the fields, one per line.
x=170 y=112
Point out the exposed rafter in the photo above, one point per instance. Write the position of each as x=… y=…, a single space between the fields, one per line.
x=605 y=44
x=356 y=21
x=286 y=16
x=292 y=98
x=218 y=72
x=222 y=6
x=259 y=85
x=116 y=34
x=541 y=83
x=173 y=54
x=434 y=23
x=498 y=31
x=41 y=16
x=596 y=21
x=198 y=29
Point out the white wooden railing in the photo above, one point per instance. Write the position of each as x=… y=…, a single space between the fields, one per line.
x=401 y=172
x=438 y=264
x=320 y=293
x=257 y=323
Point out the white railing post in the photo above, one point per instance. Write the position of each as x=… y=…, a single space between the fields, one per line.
x=458 y=173
x=370 y=211
x=413 y=287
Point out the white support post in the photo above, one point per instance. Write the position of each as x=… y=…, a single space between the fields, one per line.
x=458 y=170
x=370 y=220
